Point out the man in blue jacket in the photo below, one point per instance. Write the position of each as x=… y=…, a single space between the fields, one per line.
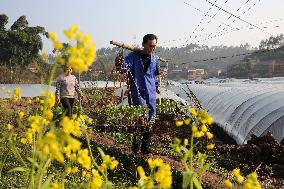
x=142 y=67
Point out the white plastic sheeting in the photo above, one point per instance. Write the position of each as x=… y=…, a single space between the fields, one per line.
x=242 y=109
x=165 y=94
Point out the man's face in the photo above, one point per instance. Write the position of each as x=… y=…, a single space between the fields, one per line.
x=150 y=46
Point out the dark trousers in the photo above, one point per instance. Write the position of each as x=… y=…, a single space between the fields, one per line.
x=67 y=104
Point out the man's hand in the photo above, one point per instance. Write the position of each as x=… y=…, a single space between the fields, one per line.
x=158 y=90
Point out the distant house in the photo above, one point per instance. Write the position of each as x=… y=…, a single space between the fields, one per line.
x=195 y=74
x=185 y=73
x=266 y=68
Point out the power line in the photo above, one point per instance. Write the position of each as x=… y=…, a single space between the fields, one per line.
x=213 y=17
x=237 y=11
x=236 y=16
x=222 y=23
x=200 y=22
x=234 y=55
x=217 y=34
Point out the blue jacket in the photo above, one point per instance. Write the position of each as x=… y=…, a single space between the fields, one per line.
x=144 y=83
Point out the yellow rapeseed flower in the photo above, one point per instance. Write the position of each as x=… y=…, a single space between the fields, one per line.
x=96 y=181
x=252 y=182
x=187 y=121
x=52 y=36
x=106 y=159
x=23 y=140
x=210 y=146
x=44 y=55
x=113 y=164
x=185 y=142
x=9 y=126
x=49 y=145
x=194 y=128
x=79 y=36
x=16 y=95
x=51 y=99
x=148 y=183
x=80 y=56
x=88 y=175
x=55 y=185
x=84 y=159
x=209 y=120
x=236 y=172
x=48 y=114
x=238 y=177
x=57 y=45
x=164 y=176
x=193 y=112
x=228 y=183
x=68 y=170
x=60 y=60
x=179 y=123
x=141 y=172
x=209 y=135
x=73 y=145
x=70 y=33
x=21 y=115
x=74 y=170
x=204 y=128
x=155 y=162
x=70 y=126
x=87 y=39
x=108 y=162
x=103 y=167
x=84 y=173
x=37 y=123
x=198 y=134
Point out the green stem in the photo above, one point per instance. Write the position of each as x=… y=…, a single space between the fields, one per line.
x=33 y=163
x=191 y=159
x=49 y=84
x=2 y=165
x=43 y=169
x=92 y=157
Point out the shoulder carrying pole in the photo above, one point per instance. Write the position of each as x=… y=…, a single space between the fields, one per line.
x=131 y=48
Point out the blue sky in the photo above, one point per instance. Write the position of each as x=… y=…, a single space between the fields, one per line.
x=129 y=20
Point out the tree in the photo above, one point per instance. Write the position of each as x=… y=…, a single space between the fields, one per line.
x=272 y=42
x=19 y=45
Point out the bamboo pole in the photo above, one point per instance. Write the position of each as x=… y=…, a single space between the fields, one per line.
x=131 y=48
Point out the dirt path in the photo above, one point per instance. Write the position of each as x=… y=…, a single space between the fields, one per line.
x=211 y=179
